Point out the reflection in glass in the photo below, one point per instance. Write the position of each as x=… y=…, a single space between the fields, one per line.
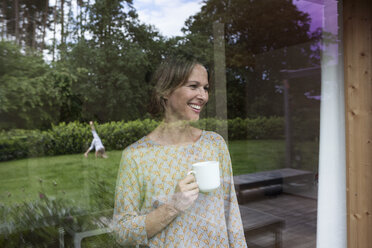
x=65 y=63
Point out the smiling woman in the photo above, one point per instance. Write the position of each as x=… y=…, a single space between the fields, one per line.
x=157 y=202
x=173 y=75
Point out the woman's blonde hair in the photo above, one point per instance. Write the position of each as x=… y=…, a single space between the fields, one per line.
x=170 y=75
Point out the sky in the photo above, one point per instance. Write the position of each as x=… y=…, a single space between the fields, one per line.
x=169 y=16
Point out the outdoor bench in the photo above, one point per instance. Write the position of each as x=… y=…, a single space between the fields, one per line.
x=266 y=179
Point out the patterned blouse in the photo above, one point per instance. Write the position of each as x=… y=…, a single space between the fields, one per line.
x=147 y=178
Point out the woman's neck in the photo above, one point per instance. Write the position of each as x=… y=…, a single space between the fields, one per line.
x=175 y=133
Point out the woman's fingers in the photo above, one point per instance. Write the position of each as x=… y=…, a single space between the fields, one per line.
x=190 y=186
x=186 y=184
x=194 y=192
x=181 y=187
x=188 y=179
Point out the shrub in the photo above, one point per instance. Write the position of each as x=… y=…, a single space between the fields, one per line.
x=242 y=129
x=15 y=144
x=38 y=223
x=265 y=128
x=75 y=137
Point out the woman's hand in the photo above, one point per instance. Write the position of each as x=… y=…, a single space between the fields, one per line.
x=186 y=193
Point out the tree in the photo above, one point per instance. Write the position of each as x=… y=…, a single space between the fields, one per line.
x=29 y=92
x=104 y=77
x=262 y=38
x=45 y=18
x=114 y=65
x=26 y=21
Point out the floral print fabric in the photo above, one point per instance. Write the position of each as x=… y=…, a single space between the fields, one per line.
x=147 y=178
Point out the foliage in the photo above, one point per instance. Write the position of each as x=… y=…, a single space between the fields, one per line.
x=26 y=21
x=16 y=143
x=37 y=223
x=113 y=67
x=75 y=137
x=105 y=77
x=32 y=94
x=242 y=129
x=70 y=138
x=105 y=65
x=27 y=95
x=107 y=56
x=262 y=38
x=102 y=184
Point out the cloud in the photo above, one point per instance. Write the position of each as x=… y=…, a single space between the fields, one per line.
x=168 y=16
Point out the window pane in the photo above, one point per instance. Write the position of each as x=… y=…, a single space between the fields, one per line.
x=65 y=63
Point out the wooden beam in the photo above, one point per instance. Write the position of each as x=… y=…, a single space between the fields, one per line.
x=220 y=77
x=357 y=17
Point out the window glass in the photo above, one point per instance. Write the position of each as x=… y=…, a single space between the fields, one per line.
x=65 y=63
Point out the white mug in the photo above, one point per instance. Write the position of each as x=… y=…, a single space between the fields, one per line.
x=207 y=175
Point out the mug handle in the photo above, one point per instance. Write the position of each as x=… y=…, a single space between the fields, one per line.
x=191 y=172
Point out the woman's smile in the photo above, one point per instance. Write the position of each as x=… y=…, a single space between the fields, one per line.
x=195 y=107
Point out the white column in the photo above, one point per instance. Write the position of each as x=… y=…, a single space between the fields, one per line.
x=331 y=225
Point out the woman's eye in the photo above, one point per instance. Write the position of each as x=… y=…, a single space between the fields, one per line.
x=206 y=89
x=193 y=86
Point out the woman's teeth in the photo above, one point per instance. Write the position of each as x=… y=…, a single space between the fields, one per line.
x=195 y=106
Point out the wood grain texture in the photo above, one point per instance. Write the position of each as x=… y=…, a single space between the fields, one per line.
x=357 y=18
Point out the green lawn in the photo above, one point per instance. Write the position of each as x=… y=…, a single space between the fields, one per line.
x=261 y=155
x=75 y=177
x=68 y=176
x=256 y=155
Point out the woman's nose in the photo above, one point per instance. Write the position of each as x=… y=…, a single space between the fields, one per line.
x=203 y=94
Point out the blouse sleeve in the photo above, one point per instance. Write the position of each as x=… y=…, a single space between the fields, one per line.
x=129 y=226
x=232 y=214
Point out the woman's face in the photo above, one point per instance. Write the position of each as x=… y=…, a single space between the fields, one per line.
x=187 y=101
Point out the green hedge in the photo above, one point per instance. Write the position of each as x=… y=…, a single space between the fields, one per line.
x=75 y=137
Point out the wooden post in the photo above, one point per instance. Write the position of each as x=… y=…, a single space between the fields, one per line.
x=220 y=77
x=288 y=136
x=357 y=16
